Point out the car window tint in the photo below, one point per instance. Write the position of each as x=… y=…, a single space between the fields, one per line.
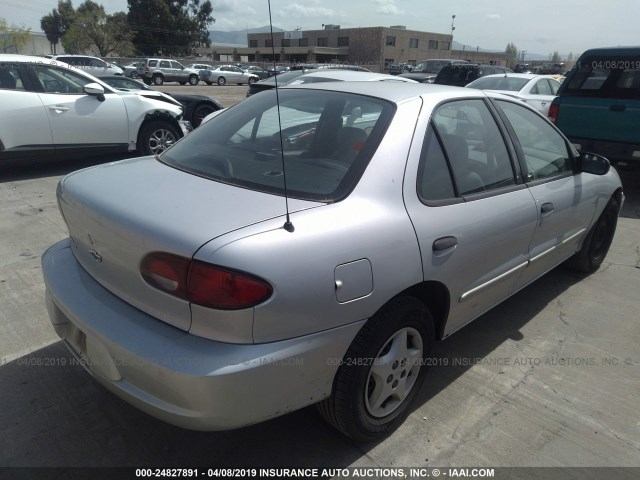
x=165 y=64
x=58 y=80
x=474 y=146
x=545 y=151
x=177 y=65
x=434 y=178
x=10 y=78
x=153 y=63
x=325 y=140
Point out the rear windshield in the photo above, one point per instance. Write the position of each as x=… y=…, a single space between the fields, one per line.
x=511 y=84
x=326 y=141
x=458 y=74
x=431 y=66
x=612 y=77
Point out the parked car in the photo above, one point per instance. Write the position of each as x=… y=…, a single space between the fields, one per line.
x=255 y=70
x=462 y=74
x=93 y=65
x=411 y=211
x=299 y=77
x=160 y=70
x=228 y=74
x=48 y=110
x=536 y=90
x=427 y=70
x=130 y=70
x=277 y=70
x=196 y=107
x=200 y=66
x=598 y=104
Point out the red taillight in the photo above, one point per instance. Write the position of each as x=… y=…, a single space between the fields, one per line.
x=203 y=283
x=553 y=112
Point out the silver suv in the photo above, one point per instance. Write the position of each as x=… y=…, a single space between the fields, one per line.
x=92 y=65
x=160 y=70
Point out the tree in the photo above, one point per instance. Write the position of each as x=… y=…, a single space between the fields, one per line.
x=13 y=38
x=555 y=58
x=56 y=23
x=92 y=27
x=512 y=53
x=170 y=26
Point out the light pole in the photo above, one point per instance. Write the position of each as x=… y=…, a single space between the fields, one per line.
x=453 y=19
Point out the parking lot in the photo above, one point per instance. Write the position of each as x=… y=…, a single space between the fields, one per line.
x=548 y=378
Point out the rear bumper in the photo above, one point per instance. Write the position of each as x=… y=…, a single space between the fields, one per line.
x=178 y=377
x=616 y=152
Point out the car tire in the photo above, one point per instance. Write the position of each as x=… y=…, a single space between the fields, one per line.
x=182 y=83
x=194 y=80
x=155 y=137
x=381 y=372
x=147 y=81
x=596 y=245
x=158 y=80
x=200 y=112
x=222 y=81
x=252 y=81
x=209 y=83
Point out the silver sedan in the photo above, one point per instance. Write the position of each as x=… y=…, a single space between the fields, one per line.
x=311 y=251
x=228 y=74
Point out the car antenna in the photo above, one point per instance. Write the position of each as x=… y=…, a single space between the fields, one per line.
x=288 y=226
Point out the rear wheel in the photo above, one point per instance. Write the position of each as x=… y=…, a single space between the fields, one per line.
x=381 y=372
x=182 y=83
x=200 y=112
x=155 y=137
x=209 y=83
x=194 y=80
x=252 y=80
x=596 y=245
x=222 y=81
x=158 y=79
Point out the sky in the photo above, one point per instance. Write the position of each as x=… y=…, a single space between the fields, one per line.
x=541 y=27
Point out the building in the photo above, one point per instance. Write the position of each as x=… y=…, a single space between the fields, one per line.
x=38 y=44
x=374 y=47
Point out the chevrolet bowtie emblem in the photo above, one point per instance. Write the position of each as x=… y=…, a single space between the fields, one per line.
x=96 y=256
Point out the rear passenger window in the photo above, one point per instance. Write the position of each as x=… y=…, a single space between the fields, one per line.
x=474 y=146
x=434 y=179
x=545 y=151
x=10 y=78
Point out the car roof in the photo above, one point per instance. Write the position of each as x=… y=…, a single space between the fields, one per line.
x=396 y=92
x=12 y=57
x=529 y=76
x=353 y=76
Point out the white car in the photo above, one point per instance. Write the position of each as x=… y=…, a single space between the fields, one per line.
x=536 y=90
x=50 y=110
x=93 y=65
x=228 y=74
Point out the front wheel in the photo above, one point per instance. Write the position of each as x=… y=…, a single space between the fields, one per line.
x=596 y=245
x=158 y=80
x=222 y=81
x=193 y=80
x=381 y=372
x=200 y=112
x=182 y=83
x=155 y=137
x=252 y=80
x=209 y=83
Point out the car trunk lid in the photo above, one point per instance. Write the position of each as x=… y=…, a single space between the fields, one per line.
x=118 y=213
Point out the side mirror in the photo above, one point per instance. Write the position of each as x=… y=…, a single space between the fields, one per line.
x=593 y=163
x=95 y=90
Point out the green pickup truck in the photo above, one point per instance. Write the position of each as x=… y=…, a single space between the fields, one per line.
x=598 y=104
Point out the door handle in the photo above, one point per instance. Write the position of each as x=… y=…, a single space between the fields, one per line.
x=546 y=208
x=444 y=243
x=59 y=108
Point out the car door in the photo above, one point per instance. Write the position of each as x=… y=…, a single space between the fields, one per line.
x=178 y=72
x=473 y=215
x=565 y=201
x=24 y=124
x=79 y=120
